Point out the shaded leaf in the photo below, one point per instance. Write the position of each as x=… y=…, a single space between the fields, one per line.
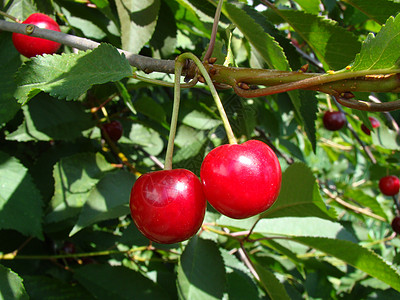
x=107 y=282
x=357 y=256
x=200 y=120
x=11 y=285
x=46 y=288
x=70 y=75
x=201 y=272
x=268 y=281
x=9 y=64
x=18 y=192
x=367 y=201
x=299 y=196
x=75 y=176
x=386 y=9
x=48 y=119
x=138 y=20
x=334 y=46
x=109 y=199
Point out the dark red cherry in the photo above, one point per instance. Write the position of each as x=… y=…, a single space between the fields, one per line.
x=374 y=123
x=334 y=120
x=113 y=129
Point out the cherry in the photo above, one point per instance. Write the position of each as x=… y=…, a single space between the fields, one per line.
x=241 y=181
x=389 y=185
x=113 y=129
x=168 y=206
x=334 y=120
x=396 y=224
x=374 y=122
x=68 y=248
x=31 y=46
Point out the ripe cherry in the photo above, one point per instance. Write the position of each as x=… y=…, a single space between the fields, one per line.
x=374 y=123
x=113 y=129
x=334 y=120
x=389 y=185
x=31 y=46
x=396 y=224
x=168 y=206
x=241 y=181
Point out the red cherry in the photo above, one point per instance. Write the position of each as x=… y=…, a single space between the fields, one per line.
x=389 y=185
x=168 y=206
x=396 y=224
x=241 y=181
x=31 y=46
x=114 y=130
x=374 y=123
x=334 y=120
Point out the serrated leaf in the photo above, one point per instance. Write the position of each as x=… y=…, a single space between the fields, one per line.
x=380 y=51
x=109 y=199
x=357 y=256
x=48 y=119
x=201 y=271
x=43 y=287
x=386 y=9
x=150 y=108
x=107 y=282
x=334 y=46
x=309 y=109
x=17 y=193
x=11 y=285
x=75 y=176
x=266 y=45
x=70 y=75
x=310 y=6
x=22 y=9
x=138 y=21
x=386 y=138
x=299 y=196
x=9 y=64
x=268 y=281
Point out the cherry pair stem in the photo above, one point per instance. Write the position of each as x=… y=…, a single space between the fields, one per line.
x=179 y=64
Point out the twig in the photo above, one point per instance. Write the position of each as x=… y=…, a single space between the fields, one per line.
x=246 y=260
x=214 y=31
x=356 y=209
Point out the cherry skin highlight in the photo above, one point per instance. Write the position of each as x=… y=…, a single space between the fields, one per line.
x=389 y=185
x=374 y=123
x=396 y=224
x=31 y=46
x=168 y=206
x=334 y=120
x=241 y=181
x=113 y=129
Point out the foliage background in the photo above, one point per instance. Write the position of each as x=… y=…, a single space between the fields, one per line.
x=327 y=237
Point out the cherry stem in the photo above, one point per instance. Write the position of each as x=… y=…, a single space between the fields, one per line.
x=9 y=16
x=214 y=31
x=179 y=64
x=214 y=93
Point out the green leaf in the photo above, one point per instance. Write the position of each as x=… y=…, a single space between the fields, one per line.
x=107 y=282
x=299 y=196
x=108 y=200
x=17 y=193
x=21 y=9
x=268 y=281
x=201 y=272
x=386 y=138
x=265 y=45
x=75 y=176
x=380 y=51
x=149 y=107
x=308 y=111
x=48 y=119
x=70 y=75
x=147 y=138
x=200 y=120
x=365 y=200
x=11 y=285
x=138 y=22
x=334 y=46
x=357 y=256
x=9 y=64
x=43 y=287
x=386 y=9
x=310 y=6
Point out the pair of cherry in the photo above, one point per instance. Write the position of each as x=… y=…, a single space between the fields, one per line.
x=239 y=181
